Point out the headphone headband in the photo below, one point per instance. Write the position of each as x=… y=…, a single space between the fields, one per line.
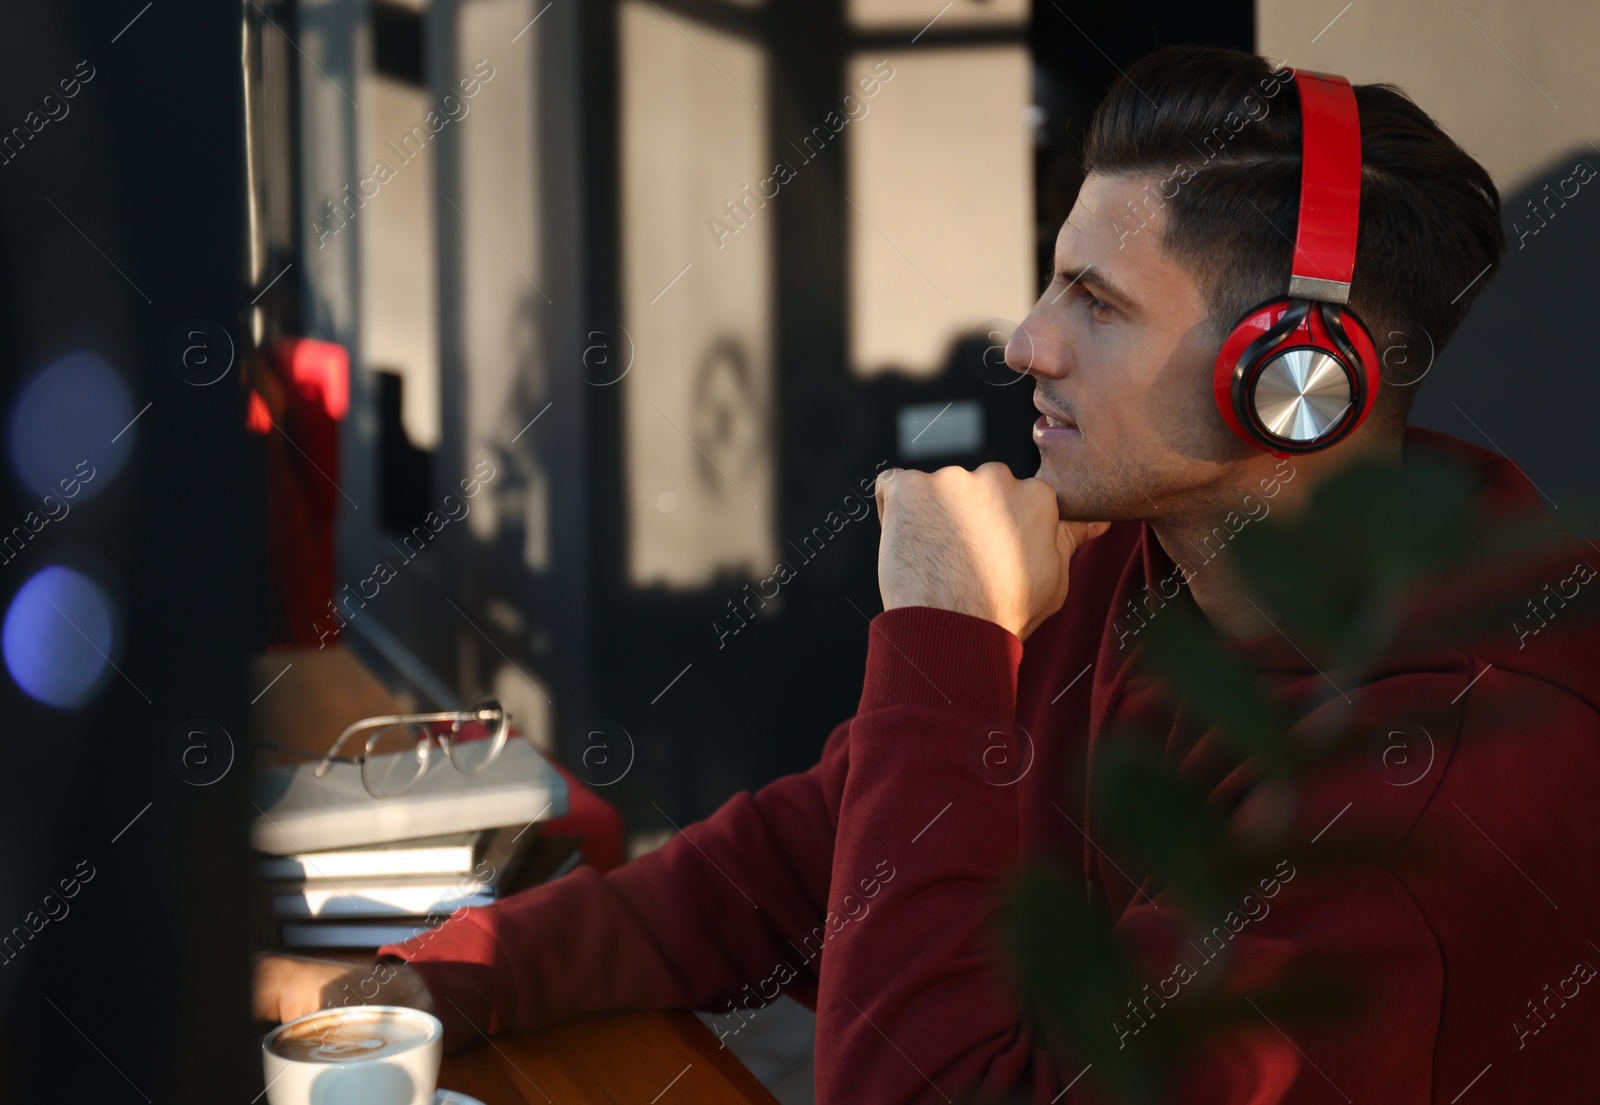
x=1330 y=188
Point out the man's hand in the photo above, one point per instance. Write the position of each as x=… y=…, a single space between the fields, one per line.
x=290 y=986
x=982 y=543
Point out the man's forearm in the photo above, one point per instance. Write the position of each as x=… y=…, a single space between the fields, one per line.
x=924 y=796
x=691 y=925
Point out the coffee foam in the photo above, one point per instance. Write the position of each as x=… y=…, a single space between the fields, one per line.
x=350 y=1037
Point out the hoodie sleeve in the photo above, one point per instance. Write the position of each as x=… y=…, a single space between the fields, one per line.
x=910 y=1006
x=702 y=922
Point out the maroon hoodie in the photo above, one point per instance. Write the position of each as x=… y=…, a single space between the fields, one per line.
x=868 y=886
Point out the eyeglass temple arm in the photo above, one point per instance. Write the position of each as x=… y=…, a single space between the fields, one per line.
x=327 y=761
x=392 y=719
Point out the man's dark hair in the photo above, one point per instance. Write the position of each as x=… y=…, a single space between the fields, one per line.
x=1430 y=214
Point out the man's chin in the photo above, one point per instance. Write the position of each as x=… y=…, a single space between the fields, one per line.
x=1076 y=503
x=1067 y=492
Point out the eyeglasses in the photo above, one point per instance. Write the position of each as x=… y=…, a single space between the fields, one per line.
x=399 y=748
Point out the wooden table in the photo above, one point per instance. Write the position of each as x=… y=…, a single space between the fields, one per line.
x=638 y=1058
x=667 y=1058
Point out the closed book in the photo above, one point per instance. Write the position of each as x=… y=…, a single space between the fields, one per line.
x=452 y=854
x=300 y=813
x=381 y=898
x=352 y=934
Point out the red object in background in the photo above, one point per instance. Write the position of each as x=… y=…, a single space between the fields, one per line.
x=590 y=817
x=307 y=388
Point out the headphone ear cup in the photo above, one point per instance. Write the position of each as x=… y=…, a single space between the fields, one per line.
x=1350 y=339
x=1285 y=324
x=1333 y=323
x=1258 y=331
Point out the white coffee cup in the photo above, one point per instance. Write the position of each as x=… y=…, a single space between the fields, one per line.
x=355 y=1055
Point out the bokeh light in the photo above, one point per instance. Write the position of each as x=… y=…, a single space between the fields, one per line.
x=58 y=637
x=69 y=413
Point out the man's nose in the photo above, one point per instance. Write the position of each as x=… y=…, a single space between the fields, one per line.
x=1028 y=354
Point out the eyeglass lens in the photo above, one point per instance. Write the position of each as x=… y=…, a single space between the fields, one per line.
x=395 y=758
x=476 y=743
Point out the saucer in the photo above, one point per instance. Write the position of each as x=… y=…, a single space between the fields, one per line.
x=452 y=1097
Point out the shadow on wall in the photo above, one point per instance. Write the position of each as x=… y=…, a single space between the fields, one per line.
x=1518 y=376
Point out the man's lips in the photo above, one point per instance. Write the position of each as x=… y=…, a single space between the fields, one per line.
x=1056 y=418
x=1048 y=431
x=1053 y=419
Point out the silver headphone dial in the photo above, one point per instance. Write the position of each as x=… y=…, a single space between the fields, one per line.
x=1302 y=394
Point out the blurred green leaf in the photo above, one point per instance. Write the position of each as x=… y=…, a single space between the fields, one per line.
x=1162 y=822
x=1075 y=977
x=1181 y=648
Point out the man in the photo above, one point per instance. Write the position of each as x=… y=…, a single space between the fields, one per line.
x=868 y=886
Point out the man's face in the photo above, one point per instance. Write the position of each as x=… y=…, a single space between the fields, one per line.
x=1119 y=343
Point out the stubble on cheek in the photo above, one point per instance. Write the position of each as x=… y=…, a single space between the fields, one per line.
x=1093 y=490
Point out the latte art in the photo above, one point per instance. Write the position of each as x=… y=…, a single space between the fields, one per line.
x=350 y=1037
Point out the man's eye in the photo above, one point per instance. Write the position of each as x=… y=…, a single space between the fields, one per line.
x=1096 y=305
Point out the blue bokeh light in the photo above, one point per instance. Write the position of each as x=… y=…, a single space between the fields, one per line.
x=68 y=414
x=58 y=637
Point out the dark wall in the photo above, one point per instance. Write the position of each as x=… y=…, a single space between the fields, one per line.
x=1517 y=378
x=121 y=219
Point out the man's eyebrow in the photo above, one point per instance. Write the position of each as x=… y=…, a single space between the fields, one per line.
x=1095 y=279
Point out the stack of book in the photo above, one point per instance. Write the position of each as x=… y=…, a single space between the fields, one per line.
x=371 y=895
x=341 y=869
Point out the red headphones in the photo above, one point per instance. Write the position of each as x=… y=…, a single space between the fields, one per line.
x=1300 y=372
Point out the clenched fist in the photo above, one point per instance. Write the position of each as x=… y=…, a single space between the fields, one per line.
x=982 y=543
